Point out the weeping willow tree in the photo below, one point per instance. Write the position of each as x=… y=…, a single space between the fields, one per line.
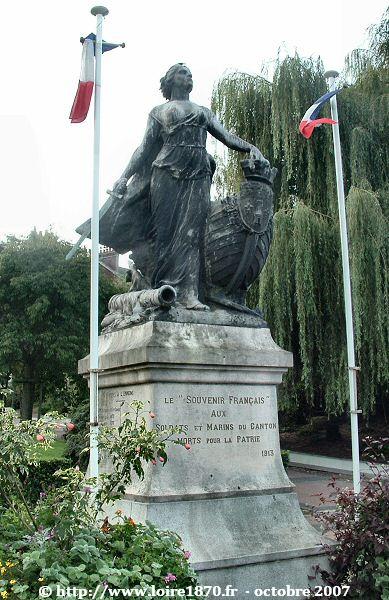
x=300 y=289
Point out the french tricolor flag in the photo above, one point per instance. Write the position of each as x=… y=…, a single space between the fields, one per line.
x=310 y=120
x=85 y=85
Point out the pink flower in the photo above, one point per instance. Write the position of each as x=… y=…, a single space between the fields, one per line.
x=161 y=458
x=187 y=446
x=152 y=415
x=70 y=426
x=187 y=554
x=40 y=437
x=154 y=462
x=170 y=577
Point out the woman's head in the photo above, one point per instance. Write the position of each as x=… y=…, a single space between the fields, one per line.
x=178 y=75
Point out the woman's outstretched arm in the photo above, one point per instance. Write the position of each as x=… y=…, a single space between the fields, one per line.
x=231 y=140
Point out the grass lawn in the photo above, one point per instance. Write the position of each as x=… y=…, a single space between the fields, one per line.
x=57 y=451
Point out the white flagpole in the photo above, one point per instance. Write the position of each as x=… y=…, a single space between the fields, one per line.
x=352 y=368
x=99 y=12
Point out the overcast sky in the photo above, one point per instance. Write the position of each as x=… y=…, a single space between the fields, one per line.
x=46 y=162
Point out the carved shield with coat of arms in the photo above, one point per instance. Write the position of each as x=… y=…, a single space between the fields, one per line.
x=256 y=205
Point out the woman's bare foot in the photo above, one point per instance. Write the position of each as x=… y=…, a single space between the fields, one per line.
x=194 y=304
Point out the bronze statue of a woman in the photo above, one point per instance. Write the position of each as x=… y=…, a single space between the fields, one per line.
x=161 y=213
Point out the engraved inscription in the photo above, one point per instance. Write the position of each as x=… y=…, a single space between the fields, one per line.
x=113 y=405
x=210 y=419
x=205 y=400
x=232 y=418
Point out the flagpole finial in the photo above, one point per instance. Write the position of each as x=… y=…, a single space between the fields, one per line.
x=329 y=74
x=99 y=10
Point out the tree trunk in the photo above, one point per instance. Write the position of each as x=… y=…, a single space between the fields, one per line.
x=40 y=401
x=28 y=395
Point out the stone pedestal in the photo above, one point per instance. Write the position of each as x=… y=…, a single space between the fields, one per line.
x=229 y=497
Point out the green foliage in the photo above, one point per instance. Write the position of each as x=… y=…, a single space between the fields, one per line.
x=42 y=477
x=44 y=310
x=301 y=296
x=67 y=398
x=18 y=456
x=59 y=542
x=77 y=440
x=68 y=508
x=12 y=528
x=278 y=280
x=128 y=447
x=125 y=555
x=381 y=578
x=249 y=95
x=300 y=289
x=296 y=81
x=151 y=553
x=285 y=456
x=369 y=265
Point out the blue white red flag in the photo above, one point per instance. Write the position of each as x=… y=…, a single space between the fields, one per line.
x=310 y=119
x=84 y=92
x=105 y=46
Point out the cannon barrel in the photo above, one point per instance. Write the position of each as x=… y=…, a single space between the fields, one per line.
x=125 y=303
x=164 y=296
x=167 y=295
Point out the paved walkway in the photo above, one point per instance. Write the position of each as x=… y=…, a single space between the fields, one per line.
x=325 y=463
x=310 y=484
